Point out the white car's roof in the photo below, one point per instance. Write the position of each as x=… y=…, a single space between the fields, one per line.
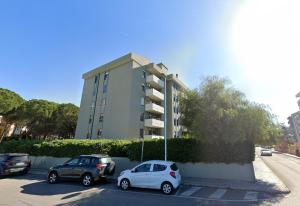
x=159 y=162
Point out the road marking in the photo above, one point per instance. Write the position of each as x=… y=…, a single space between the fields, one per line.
x=218 y=194
x=190 y=191
x=251 y=195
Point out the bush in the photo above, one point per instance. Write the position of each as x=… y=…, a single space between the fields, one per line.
x=194 y=150
x=179 y=150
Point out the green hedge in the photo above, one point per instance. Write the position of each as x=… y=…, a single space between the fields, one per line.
x=179 y=150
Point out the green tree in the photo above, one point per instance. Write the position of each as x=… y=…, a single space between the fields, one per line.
x=36 y=115
x=217 y=111
x=9 y=100
x=65 y=120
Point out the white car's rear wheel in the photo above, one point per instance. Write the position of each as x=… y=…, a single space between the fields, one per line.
x=167 y=188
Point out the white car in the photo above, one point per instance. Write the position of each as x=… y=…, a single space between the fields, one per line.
x=154 y=174
x=266 y=152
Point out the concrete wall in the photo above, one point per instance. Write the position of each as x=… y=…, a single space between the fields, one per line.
x=201 y=170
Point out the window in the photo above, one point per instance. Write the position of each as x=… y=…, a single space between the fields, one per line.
x=90 y=120
x=144 y=74
x=142 y=117
x=94 y=161
x=142 y=133
x=99 y=133
x=174 y=167
x=101 y=118
x=174 y=109
x=158 y=168
x=84 y=161
x=143 y=168
x=96 y=79
x=175 y=122
x=142 y=101
x=143 y=87
x=106 y=75
x=105 y=88
x=20 y=158
x=73 y=162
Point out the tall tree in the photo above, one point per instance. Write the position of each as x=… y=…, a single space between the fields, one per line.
x=65 y=119
x=9 y=100
x=36 y=115
x=216 y=111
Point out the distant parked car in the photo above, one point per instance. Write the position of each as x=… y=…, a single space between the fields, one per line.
x=154 y=174
x=265 y=152
x=87 y=168
x=14 y=163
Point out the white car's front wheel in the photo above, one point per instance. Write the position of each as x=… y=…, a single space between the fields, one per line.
x=124 y=184
x=167 y=188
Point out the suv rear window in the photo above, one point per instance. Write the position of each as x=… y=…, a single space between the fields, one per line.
x=105 y=160
x=174 y=167
x=19 y=158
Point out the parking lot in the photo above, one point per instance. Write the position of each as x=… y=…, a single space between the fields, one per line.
x=32 y=189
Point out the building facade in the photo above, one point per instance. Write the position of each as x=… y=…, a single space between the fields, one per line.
x=126 y=98
x=294 y=122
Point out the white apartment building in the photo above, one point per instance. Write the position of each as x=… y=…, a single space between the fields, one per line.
x=129 y=98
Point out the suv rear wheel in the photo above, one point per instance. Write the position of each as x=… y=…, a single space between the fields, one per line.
x=87 y=180
x=52 y=177
x=167 y=188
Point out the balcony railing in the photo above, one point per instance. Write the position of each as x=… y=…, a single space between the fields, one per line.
x=154 y=94
x=152 y=136
x=155 y=82
x=157 y=70
x=154 y=123
x=154 y=108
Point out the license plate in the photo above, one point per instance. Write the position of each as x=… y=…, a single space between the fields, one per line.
x=20 y=164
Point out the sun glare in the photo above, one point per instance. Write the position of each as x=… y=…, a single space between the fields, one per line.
x=266 y=42
x=266 y=38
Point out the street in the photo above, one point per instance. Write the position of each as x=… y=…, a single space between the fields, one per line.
x=32 y=189
x=288 y=170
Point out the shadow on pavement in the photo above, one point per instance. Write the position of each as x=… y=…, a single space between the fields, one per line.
x=45 y=189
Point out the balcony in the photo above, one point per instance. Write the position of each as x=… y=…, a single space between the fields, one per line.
x=154 y=108
x=152 y=136
x=157 y=70
x=154 y=94
x=154 y=123
x=155 y=82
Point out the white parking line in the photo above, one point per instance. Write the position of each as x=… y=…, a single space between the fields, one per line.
x=251 y=195
x=218 y=194
x=190 y=191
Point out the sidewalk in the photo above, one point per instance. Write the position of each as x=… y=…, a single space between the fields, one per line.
x=266 y=181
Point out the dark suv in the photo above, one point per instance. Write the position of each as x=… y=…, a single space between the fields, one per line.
x=87 y=168
x=12 y=163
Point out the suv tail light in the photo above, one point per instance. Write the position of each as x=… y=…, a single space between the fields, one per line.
x=172 y=173
x=101 y=166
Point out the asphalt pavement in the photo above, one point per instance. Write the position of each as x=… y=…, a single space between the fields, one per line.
x=33 y=189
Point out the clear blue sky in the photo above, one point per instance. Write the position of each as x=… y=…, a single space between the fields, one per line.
x=45 y=46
